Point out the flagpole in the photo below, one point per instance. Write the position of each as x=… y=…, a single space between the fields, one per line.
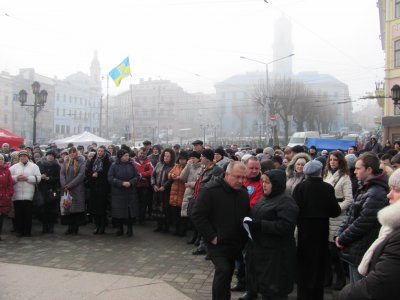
x=107 y=132
x=132 y=115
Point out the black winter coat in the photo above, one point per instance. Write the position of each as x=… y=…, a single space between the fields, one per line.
x=317 y=203
x=219 y=212
x=98 y=186
x=123 y=200
x=50 y=190
x=271 y=256
x=361 y=227
x=382 y=281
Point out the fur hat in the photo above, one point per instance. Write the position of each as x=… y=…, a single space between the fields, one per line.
x=313 y=168
x=220 y=151
x=269 y=151
x=394 y=179
x=208 y=153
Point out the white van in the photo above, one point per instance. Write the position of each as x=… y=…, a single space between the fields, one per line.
x=300 y=138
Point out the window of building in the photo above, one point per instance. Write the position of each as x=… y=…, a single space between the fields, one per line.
x=67 y=129
x=5 y=119
x=397 y=53
x=5 y=100
x=57 y=112
x=57 y=128
x=62 y=128
x=397 y=9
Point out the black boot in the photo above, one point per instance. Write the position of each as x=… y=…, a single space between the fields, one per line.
x=120 y=230
x=50 y=228
x=69 y=230
x=129 y=231
x=193 y=239
x=45 y=228
x=102 y=228
x=75 y=230
x=340 y=276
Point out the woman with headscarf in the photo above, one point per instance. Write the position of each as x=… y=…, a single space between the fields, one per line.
x=123 y=177
x=294 y=171
x=271 y=254
x=72 y=176
x=336 y=173
x=381 y=263
x=6 y=191
x=99 y=188
x=49 y=187
x=161 y=189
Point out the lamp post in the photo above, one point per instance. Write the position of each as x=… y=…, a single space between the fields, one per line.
x=204 y=127
x=396 y=95
x=40 y=101
x=267 y=83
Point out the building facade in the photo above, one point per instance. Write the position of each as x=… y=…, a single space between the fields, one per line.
x=389 y=15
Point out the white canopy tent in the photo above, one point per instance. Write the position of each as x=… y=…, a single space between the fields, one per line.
x=85 y=139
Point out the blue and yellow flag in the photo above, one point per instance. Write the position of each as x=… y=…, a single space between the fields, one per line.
x=121 y=71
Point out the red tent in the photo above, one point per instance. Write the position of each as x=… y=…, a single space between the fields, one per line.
x=10 y=138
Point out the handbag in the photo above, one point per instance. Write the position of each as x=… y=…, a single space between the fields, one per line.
x=37 y=200
x=65 y=204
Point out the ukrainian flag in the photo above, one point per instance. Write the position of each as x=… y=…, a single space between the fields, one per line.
x=121 y=71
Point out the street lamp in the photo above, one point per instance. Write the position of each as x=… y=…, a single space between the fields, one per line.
x=204 y=127
x=267 y=79
x=396 y=95
x=40 y=101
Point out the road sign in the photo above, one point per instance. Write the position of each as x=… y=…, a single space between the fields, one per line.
x=273 y=118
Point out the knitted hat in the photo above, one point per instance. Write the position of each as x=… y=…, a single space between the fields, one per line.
x=313 y=168
x=351 y=160
x=394 y=179
x=183 y=155
x=194 y=154
x=324 y=152
x=121 y=153
x=208 y=153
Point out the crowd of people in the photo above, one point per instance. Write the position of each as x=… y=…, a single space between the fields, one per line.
x=280 y=217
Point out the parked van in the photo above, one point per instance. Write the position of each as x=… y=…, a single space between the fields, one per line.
x=300 y=138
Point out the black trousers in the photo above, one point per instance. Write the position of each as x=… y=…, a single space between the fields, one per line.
x=143 y=202
x=23 y=216
x=224 y=267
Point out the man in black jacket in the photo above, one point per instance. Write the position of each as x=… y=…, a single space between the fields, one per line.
x=218 y=214
x=361 y=228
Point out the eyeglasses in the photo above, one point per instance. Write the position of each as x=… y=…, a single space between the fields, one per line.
x=238 y=177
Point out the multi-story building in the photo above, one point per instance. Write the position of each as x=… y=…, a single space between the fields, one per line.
x=6 y=100
x=389 y=15
x=159 y=110
x=72 y=106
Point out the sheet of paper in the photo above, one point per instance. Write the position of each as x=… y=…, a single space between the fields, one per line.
x=247 y=226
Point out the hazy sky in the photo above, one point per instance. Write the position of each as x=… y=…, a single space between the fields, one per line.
x=194 y=43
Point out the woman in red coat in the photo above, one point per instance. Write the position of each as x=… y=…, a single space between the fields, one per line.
x=6 y=191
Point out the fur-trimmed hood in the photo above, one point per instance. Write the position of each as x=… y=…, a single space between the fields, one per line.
x=290 y=166
x=390 y=215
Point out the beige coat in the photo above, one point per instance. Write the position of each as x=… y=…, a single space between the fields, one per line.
x=344 y=194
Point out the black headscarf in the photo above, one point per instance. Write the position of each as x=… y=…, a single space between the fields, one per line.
x=278 y=180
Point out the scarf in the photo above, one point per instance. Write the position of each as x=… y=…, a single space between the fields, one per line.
x=98 y=165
